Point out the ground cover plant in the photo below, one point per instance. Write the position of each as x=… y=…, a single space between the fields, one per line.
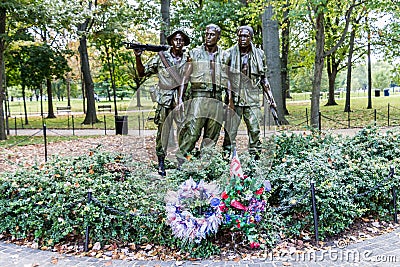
x=47 y=203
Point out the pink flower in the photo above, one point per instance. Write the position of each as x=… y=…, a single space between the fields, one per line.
x=254 y=245
x=238 y=205
x=260 y=191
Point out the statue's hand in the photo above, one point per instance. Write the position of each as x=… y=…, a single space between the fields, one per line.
x=138 y=52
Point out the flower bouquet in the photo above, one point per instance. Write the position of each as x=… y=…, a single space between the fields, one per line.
x=244 y=203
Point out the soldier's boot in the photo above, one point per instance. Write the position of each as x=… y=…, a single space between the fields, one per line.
x=161 y=166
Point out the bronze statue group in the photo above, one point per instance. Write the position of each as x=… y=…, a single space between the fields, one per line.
x=206 y=88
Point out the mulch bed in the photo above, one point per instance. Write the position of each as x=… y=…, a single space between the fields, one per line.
x=142 y=149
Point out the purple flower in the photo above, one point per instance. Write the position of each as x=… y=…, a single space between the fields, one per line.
x=267 y=185
x=257 y=218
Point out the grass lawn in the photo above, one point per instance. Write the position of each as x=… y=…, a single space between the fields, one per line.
x=298 y=107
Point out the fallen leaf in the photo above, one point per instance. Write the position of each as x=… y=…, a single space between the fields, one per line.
x=97 y=246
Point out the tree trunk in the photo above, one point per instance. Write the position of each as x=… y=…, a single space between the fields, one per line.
x=349 y=69
x=24 y=101
x=111 y=71
x=6 y=103
x=138 y=103
x=165 y=11
x=68 y=80
x=332 y=69
x=284 y=60
x=91 y=116
x=318 y=67
x=50 y=109
x=83 y=94
x=3 y=15
x=41 y=100
x=271 y=50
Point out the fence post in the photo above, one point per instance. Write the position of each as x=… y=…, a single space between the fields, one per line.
x=307 y=116
x=388 y=115
x=394 y=203
x=374 y=117
x=138 y=117
x=105 y=125
x=73 y=125
x=87 y=226
x=348 y=119
x=68 y=120
x=319 y=121
x=45 y=142
x=391 y=173
x=15 y=125
x=315 y=215
x=143 y=120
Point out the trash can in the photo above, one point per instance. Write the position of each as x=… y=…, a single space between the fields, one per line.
x=377 y=92
x=386 y=92
x=121 y=125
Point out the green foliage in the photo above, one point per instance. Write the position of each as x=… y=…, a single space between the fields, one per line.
x=210 y=166
x=349 y=176
x=47 y=202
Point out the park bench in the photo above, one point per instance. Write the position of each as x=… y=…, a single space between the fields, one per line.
x=104 y=108
x=320 y=95
x=67 y=108
x=337 y=94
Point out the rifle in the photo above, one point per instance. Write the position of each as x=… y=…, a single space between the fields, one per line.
x=144 y=47
x=271 y=101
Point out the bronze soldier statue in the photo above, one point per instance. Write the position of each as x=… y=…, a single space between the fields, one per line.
x=247 y=75
x=169 y=66
x=207 y=75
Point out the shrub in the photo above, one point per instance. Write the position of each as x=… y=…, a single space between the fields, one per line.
x=47 y=202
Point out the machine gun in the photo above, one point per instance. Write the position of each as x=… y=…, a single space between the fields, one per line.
x=144 y=47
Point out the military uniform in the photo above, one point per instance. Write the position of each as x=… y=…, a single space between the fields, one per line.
x=205 y=107
x=166 y=96
x=245 y=76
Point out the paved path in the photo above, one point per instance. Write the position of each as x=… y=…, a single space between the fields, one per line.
x=132 y=132
x=383 y=250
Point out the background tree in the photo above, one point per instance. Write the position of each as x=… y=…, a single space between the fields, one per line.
x=316 y=12
x=355 y=21
x=13 y=14
x=108 y=37
x=83 y=30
